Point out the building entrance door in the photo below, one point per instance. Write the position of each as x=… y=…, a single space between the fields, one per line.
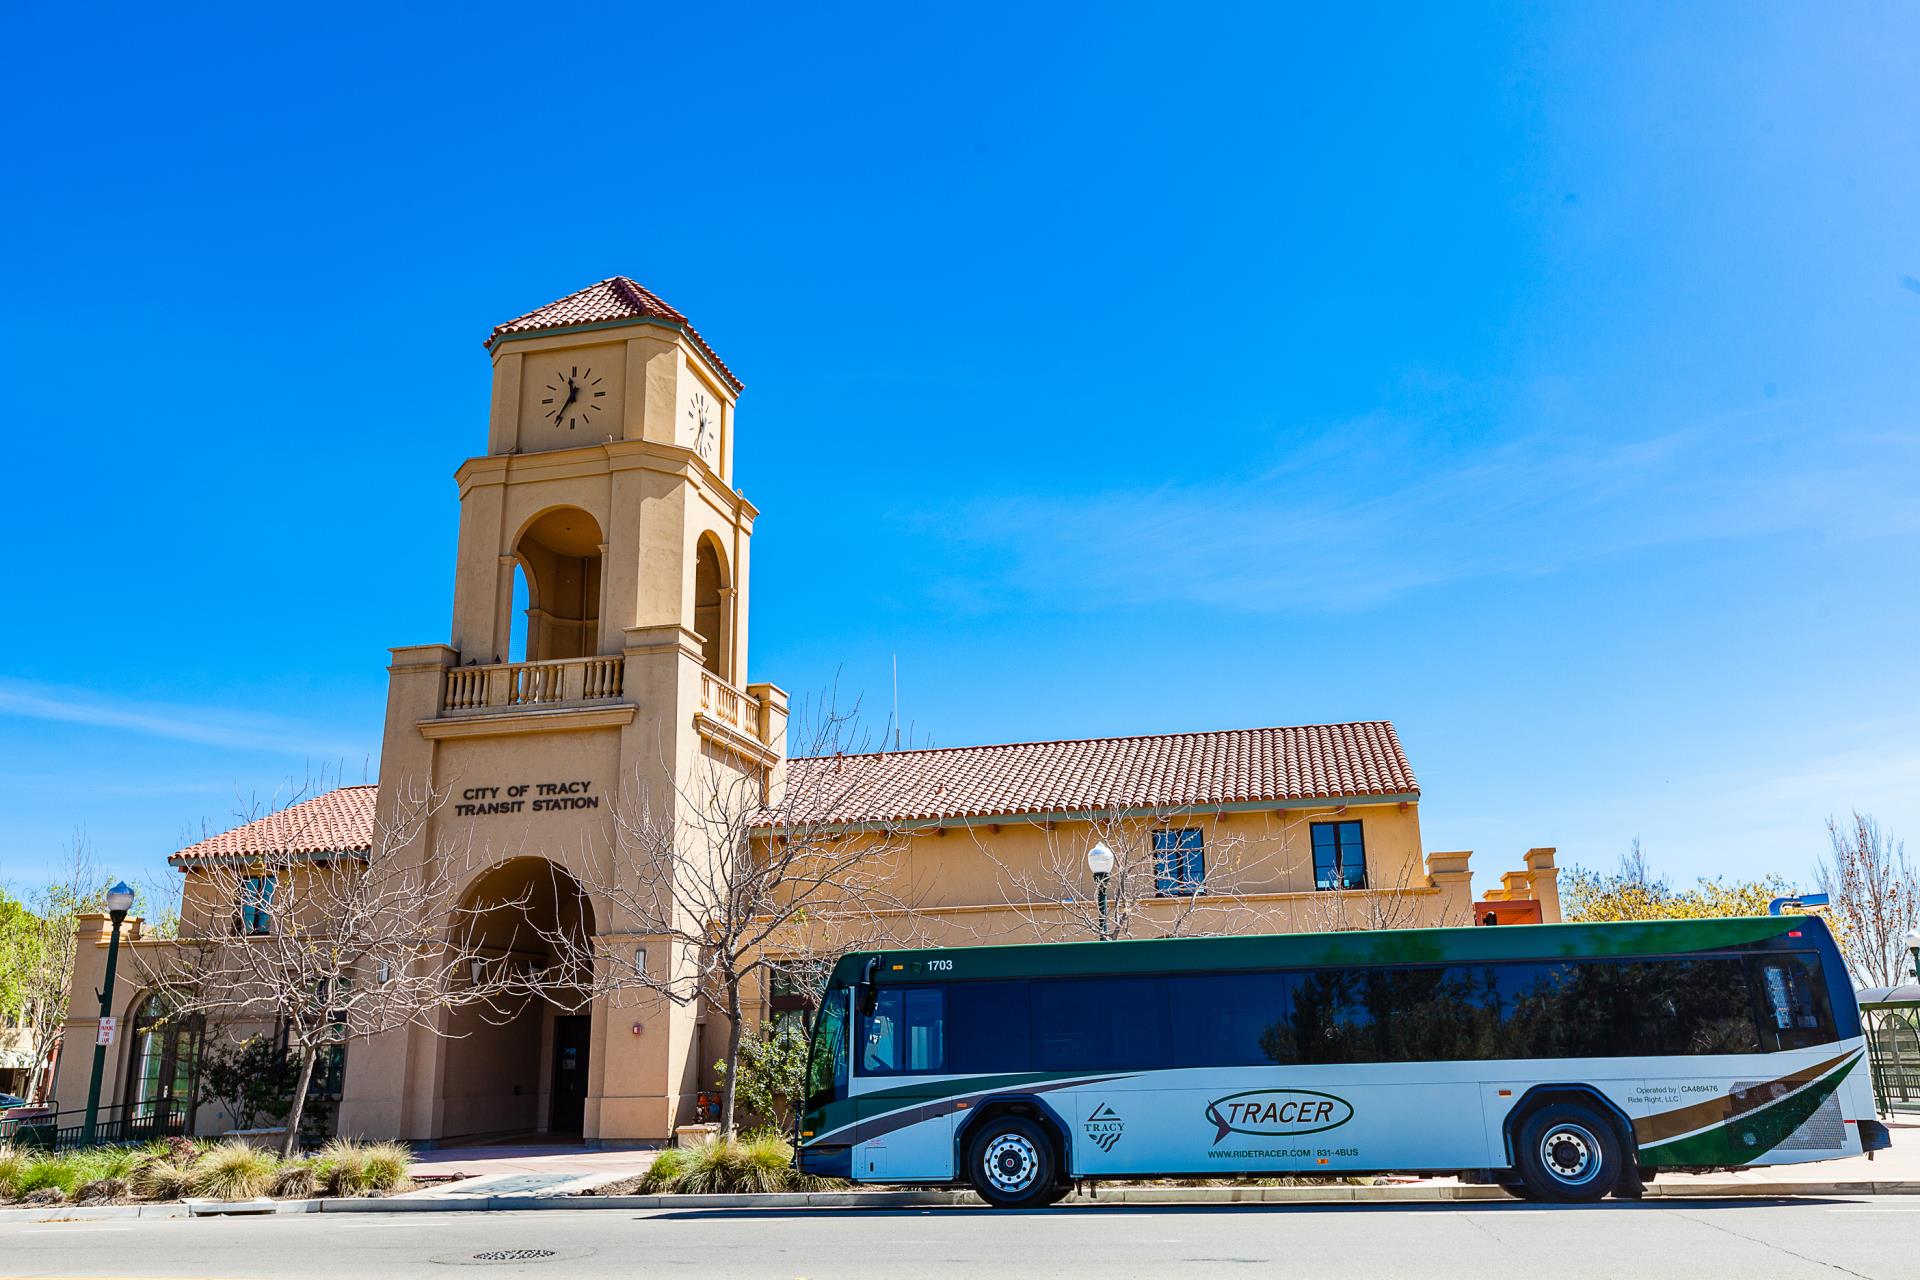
x=568 y=1112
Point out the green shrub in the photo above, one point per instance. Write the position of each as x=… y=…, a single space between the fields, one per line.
x=101 y=1163
x=47 y=1171
x=772 y=1073
x=234 y=1171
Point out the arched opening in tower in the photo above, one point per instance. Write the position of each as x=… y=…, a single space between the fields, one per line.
x=559 y=555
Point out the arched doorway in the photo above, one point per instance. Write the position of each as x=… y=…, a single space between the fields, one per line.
x=163 y=1065
x=521 y=1068
x=710 y=604
x=559 y=556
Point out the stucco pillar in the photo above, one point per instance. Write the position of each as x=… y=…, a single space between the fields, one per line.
x=1451 y=874
x=728 y=618
x=1546 y=883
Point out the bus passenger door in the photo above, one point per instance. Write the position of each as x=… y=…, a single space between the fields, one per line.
x=901 y=1105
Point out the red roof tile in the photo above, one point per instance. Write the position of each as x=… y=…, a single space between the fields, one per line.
x=337 y=822
x=615 y=298
x=1163 y=771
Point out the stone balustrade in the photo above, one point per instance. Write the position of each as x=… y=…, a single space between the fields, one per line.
x=504 y=685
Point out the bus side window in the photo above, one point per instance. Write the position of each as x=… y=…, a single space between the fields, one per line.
x=1792 y=997
x=906 y=1032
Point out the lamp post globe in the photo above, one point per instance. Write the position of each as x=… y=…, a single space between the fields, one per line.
x=1100 y=862
x=119 y=900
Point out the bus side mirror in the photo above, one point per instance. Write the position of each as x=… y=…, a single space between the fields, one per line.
x=865 y=994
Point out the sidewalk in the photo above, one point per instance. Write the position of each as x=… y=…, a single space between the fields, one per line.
x=524 y=1169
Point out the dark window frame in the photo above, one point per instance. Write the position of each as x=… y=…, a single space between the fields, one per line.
x=902 y=1044
x=1179 y=862
x=1334 y=875
x=253 y=913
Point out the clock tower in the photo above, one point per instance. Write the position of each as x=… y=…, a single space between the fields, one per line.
x=598 y=653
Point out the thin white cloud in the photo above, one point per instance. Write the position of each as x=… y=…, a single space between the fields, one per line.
x=1386 y=508
x=181 y=723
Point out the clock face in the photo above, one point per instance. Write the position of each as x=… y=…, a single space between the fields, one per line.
x=703 y=425
x=575 y=397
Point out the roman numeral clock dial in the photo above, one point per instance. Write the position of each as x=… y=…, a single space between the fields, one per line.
x=703 y=425
x=574 y=398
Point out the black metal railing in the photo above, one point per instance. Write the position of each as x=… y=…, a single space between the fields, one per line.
x=114 y=1126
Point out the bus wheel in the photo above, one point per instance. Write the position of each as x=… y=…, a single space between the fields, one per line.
x=1012 y=1164
x=1568 y=1153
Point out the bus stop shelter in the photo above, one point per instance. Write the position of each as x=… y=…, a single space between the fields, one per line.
x=1891 y=1019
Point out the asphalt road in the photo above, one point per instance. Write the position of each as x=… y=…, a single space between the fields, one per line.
x=1779 y=1240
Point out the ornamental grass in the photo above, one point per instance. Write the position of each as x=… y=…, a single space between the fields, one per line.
x=234 y=1171
x=756 y=1163
x=178 y=1167
x=348 y=1167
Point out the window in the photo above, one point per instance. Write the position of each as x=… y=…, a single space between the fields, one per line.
x=787 y=1002
x=1101 y=1024
x=906 y=1032
x=1339 y=856
x=256 y=902
x=827 y=1057
x=1229 y=1019
x=1179 y=862
x=1793 y=1002
x=987 y=1027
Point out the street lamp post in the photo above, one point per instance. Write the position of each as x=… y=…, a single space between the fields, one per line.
x=1100 y=862
x=119 y=902
x=1913 y=952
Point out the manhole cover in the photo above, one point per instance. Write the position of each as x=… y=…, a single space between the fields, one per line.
x=511 y=1257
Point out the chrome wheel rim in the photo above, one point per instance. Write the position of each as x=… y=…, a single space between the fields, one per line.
x=1011 y=1163
x=1571 y=1154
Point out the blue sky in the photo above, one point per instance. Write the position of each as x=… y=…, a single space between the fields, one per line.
x=1544 y=382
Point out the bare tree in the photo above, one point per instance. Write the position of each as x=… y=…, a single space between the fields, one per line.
x=336 y=950
x=739 y=876
x=1873 y=896
x=1164 y=882
x=1397 y=901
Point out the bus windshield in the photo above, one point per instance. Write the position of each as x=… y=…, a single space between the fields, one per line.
x=827 y=1054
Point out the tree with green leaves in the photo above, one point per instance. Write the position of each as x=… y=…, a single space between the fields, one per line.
x=1634 y=892
x=37 y=946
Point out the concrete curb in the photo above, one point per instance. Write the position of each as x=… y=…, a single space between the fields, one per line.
x=797 y=1200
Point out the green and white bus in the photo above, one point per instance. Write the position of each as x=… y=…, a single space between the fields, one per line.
x=1565 y=1061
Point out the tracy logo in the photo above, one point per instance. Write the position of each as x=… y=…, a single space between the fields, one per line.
x=1104 y=1127
x=1273 y=1113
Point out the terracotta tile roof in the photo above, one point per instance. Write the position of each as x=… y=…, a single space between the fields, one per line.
x=338 y=822
x=1164 y=771
x=615 y=298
